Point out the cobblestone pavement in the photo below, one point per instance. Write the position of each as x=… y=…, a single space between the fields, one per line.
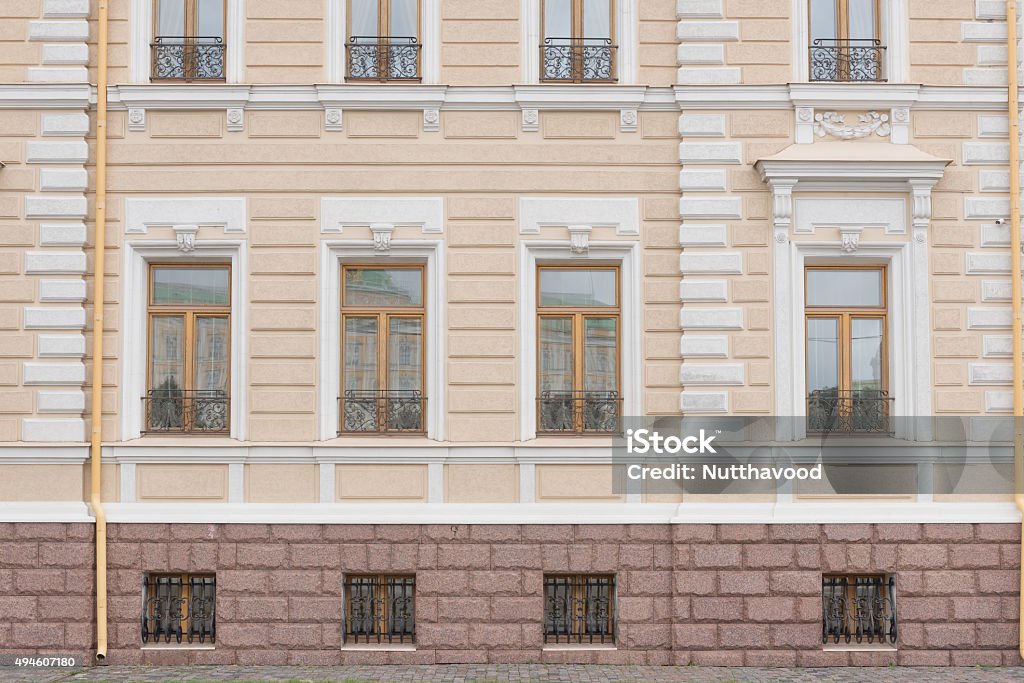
x=513 y=673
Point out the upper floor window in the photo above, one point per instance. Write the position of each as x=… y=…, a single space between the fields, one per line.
x=845 y=41
x=382 y=321
x=578 y=350
x=189 y=349
x=846 y=349
x=578 y=45
x=188 y=40
x=384 y=40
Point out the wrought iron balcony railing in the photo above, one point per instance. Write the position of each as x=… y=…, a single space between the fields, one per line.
x=379 y=411
x=578 y=60
x=575 y=412
x=861 y=607
x=383 y=58
x=188 y=58
x=380 y=609
x=846 y=60
x=858 y=411
x=173 y=607
x=179 y=411
x=579 y=609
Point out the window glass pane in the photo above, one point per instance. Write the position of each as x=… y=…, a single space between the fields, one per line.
x=557 y=18
x=600 y=354
x=167 y=353
x=556 y=367
x=405 y=354
x=191 y=286
x=363 y=21
x=822 y=354
x=361 y=353
x=170 y=19
x=383 y=287
x=211 y=355
x=404 y=18
x=577 y=287
x=210 y=18
x=866 y=354
x=862 y=19
x=844 y=287
x=823 y=19
x=596 y=19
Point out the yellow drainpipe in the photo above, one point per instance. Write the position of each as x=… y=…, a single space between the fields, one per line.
x=96 y=411
x=1015 y=274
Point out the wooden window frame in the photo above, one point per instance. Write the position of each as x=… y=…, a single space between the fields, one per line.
x=189 y=313
x=151 y=589
x=381 y=583
x=384 y=20
x=579 y=316
x=846 y=315
x=843 y=20
x=384 y=315
x=577 y=36
x=579 y=632
x=191 y=32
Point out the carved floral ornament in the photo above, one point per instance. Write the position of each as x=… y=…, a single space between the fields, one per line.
x=833 y=123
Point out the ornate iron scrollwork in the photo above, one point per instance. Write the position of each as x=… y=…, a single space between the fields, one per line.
x=173 y=608
x=186 y=411
x=379 y=411
x=383 y=58
x=858 y=411
x=188 y=58
x=578 y=60
x=858 y=607
x=846 y=60
x=579 y=609
x=579 y=411
x=380 y=608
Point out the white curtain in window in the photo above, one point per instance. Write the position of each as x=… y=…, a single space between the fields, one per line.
x=170 y=18
x=404 y=18
x=823 y=19
x=862 y=19
x=210 y=18
x=363 y=21
x=597 y=19
x=557 y=18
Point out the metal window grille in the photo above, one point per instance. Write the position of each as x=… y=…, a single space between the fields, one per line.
x=383 y=58
x=177 y=606
x=579 y=609
x=380 y=609
x=188 y=58
x=578 y=60
x=563 y=412
x=849 y=411
x=379 y=411
x=186 y=411
x=846 y=60
x=858 y=607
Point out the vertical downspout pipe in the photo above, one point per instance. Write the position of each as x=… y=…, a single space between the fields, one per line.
x=1015 y=286
x=96 y=410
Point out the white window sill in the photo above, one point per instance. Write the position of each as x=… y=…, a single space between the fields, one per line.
x=858 y=647
x=382 y=647
x=579 y=646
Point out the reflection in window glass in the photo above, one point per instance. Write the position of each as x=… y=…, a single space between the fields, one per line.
x=383 y=287
x=556 y=364
x=866 y=354
x=822 y=354
x=600 y=349
x=190 y=287
x=844 y=287
x=578 y=287
x=361 y=353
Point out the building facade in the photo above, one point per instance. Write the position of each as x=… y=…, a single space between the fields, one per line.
x=382 y=275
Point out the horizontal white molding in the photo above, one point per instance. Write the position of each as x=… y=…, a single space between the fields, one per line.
x=697 y=262
x=52 y=512
x=541 y=513
x=702 y=125
x=986 y=152
x=714 y=291
x=56 y=152
x=62 y=374
x=621 y=213
x=142 y=213
x=66 y=9
x=707 y=9
x=34 y=454
x=73 y=125
x=722 y=75
x=990 y=9
x=63 y=179
x=44 y=96
x=993 y=126
x=998 y=401
x=66 y=53
x=55 y=206
x=993 y=181
x=711 y=207
x=710 y=152
x=425 y=213
x=989 y=373
x=61 y=290
x=704 y=401
x=989 y=318
x=995 y=290
x=984 y=76
x=997 y=346
x=983 y=32
x=700 y=53
x=992 y=55
x=54 y=262
x=982 y=263
x=703 y=180
x=54 y=318
x=986 y=207
x=57 y=74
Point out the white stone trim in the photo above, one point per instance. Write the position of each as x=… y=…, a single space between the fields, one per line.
x=48 y=512
x=128 y=482
x=140 y=28
x=328 y=482
x=332 y=254
x=137 y=255
x=425 y=213
x=887 y=213
x=627 y=37
x=627 y=255
x=621 y=213
x=142 y=213
x=236 y=483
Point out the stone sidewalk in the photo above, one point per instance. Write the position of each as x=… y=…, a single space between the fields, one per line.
x=514 y=673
